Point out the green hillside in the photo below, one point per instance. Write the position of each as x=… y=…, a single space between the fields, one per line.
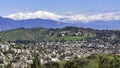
x=23 y=34
x=37 y=34
x=65 y=34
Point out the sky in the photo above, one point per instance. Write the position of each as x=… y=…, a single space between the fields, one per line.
x=58 y=6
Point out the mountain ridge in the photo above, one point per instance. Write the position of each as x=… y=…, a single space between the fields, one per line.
x=103 y=21
x=7 y=24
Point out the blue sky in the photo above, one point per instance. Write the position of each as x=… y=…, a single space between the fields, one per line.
x=58 y=6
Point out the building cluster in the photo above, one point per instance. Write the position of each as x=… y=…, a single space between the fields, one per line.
x=22 y=55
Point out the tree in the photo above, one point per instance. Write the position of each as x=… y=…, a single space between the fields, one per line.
x=36 y=62
x=52 y=65
x=104 y=62
x=8 y=65
x=115 y=63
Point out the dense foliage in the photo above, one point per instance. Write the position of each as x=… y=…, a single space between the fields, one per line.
x=93 y=61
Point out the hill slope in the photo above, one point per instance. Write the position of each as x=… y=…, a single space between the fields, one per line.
x=65 y=34
x=41 y=34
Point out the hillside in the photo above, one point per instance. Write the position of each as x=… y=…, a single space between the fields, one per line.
x=39 y=34
x=65 y=34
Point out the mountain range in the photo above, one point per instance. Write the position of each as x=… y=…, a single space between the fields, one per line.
x=103 y=21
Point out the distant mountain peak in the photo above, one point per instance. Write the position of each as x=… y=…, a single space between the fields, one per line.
x=34 y=15
x=63 y=18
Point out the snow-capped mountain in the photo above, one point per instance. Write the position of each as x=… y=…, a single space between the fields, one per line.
x=38 y=14
x=7 y=23
x=68 y=19
x=106 y=21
